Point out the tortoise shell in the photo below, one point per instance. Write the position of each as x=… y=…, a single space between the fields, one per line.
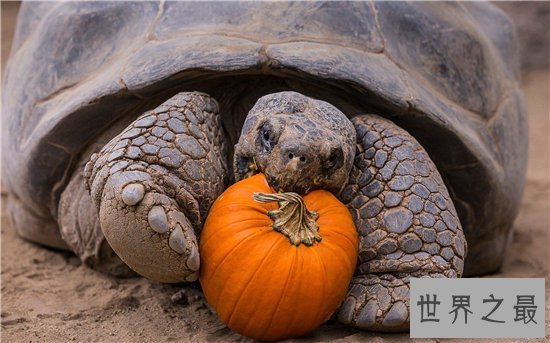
x=446 y=72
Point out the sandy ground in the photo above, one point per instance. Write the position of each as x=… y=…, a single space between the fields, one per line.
x=48 y=296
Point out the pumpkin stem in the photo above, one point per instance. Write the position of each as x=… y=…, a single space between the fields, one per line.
x=292 y=219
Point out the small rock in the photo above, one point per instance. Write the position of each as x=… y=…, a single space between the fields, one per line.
x=180 y=298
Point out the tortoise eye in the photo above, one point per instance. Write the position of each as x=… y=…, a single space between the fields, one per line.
x=265 y=139
x=335 y=160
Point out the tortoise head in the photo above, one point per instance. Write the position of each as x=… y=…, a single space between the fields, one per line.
x=299 y=143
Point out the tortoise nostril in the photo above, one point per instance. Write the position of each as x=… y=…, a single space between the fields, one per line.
x=291 y=156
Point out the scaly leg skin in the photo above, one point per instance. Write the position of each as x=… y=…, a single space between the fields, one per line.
x=154 y=183
x=407 y=224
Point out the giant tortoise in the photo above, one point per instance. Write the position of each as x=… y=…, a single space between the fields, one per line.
x=122 y=122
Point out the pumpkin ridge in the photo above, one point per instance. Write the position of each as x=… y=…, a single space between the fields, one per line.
x=314 y=199
x=325 y=277
x=260 y=208
x=288 y=277
x=327 y=209
x=230 y=226
x=334 y=249
x=213 y=275
x=329 y=231
x=282 y=244
x=293 y=313
x=249 y=282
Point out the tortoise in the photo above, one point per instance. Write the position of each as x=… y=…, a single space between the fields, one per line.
x=123 y=122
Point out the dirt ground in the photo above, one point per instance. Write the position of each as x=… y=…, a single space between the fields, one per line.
x=48 y=296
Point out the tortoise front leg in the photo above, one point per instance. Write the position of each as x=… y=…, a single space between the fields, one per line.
x=407 y=224
x=154 y=183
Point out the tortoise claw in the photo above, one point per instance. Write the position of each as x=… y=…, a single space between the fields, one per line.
x=377 y=303
x=154 y=183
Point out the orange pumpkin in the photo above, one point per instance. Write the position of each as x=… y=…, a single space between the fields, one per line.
x=260 y=283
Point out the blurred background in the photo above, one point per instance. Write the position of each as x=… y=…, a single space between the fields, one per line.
x=41 y=302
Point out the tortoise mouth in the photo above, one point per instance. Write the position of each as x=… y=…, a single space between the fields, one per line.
x=297 y=185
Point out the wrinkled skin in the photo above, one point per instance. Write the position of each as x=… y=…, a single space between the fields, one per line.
x=406 y=220
x=154 y=183
x=300 y=144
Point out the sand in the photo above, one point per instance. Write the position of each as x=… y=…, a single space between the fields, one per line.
x=49 y=296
